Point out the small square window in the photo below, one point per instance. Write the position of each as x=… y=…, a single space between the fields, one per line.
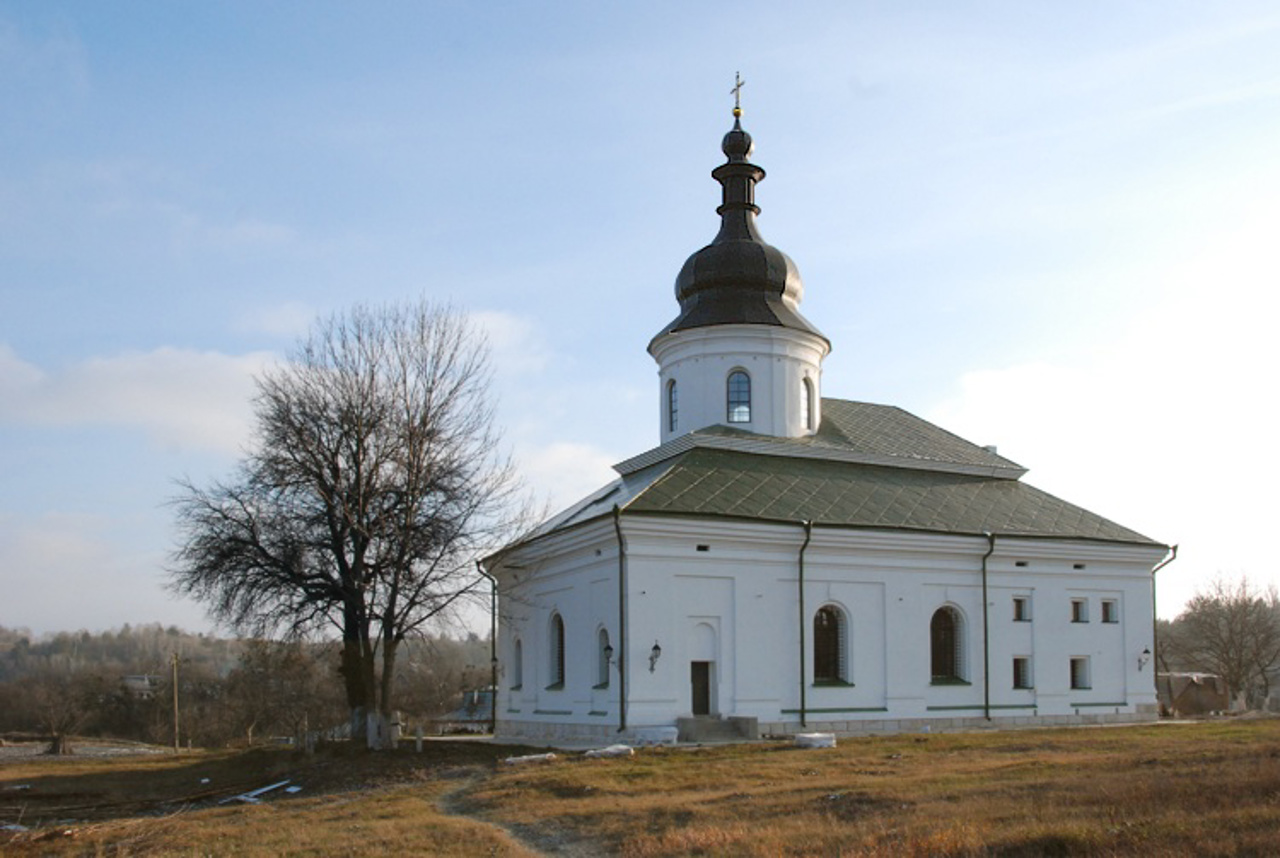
x=1022 y=672
x=1110 y=611
x=1079 y=610
x=1080 y=673
x=1021 y=609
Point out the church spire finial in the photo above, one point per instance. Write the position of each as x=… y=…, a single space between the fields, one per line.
x=738 y=83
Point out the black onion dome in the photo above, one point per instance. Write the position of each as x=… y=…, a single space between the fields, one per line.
x=737 y=143
x=738 y=278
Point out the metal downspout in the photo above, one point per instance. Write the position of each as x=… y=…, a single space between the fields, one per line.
x=808 y=534
x=493 y=649
x=986 y=635
x=1155 y=649
x=622 y=619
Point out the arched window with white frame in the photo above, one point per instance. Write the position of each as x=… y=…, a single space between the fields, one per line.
x=946 y=646
x=517 y=665
x=806 y=404
x=555 y=652
x=830 y=646
x=739 y=397
x=673 y=406
x=604 y=657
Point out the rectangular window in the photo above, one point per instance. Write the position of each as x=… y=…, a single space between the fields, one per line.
x=1080 y=672
x=1110 y=612
x=1021 y=609
x=1021 y=672
x=1079 y=610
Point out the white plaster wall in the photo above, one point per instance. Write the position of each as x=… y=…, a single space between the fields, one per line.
x=777 y=359
x=576 y=577
x=744 y=586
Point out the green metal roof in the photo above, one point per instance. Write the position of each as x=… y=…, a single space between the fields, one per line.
x=868 y=466
x=859 y=432
x=726 y=483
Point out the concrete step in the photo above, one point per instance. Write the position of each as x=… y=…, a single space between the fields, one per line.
x=716 y=729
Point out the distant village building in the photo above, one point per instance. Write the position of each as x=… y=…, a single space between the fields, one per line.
x=474 y=715
x=140 y=686
x=1192 y=693
x=784 y=561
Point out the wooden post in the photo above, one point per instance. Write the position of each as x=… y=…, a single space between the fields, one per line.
x=176 y=748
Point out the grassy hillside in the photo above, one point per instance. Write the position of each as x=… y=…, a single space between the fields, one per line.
x=1206 y=788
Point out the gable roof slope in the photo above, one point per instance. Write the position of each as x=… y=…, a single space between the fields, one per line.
x=724 y=483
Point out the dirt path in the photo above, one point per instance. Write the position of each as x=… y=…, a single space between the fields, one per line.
x=546 y=838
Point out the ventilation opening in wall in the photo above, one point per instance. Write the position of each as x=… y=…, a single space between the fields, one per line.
x=704 y=547
x=1077 y=566
x=1021 y=564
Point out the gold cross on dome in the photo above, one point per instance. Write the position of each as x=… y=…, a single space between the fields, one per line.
x=738 y=83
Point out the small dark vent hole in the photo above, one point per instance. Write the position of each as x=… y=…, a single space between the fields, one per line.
x=1078 y=566
x=1021 y=564
x=704 y=547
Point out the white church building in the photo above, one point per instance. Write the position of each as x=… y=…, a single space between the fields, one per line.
x=784 y=562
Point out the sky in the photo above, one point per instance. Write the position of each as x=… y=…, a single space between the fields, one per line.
x=1049 y=227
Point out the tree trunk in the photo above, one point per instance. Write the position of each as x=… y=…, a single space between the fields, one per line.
x=60 y=745
x=352 y=667
x=389 y=652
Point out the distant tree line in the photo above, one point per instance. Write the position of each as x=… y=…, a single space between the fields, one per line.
x=119 y=684
x=1230 y=629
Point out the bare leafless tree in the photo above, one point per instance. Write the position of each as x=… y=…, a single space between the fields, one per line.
x=1233 y=630
x=375 y=482
x=61 y=698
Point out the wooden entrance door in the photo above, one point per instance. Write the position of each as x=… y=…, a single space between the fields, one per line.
x=700 y=679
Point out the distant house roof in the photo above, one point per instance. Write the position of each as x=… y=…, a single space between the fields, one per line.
x=868 y=466
x=476 y=708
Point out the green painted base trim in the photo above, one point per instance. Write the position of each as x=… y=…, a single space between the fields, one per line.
x=513 y=711
x=553 y=712
x=832 y=683
x=1086 y=705
x=949 y=681
x=598 y=714
x=1013 y=706
x=823 y=711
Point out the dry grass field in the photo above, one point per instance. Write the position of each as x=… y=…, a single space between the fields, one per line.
x=1210 y=788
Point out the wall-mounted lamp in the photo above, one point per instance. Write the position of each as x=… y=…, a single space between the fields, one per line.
x=654 y=655
x=608 y=654
x=1144 y=658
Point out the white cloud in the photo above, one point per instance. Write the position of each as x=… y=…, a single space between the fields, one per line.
x=181 y=398
x=291 y=319
x=74 y=576
x=1168 y=428
x=516 y=346
x=564 y=472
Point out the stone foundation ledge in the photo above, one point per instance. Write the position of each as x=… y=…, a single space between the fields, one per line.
x=890 y=726
x=600 y=735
